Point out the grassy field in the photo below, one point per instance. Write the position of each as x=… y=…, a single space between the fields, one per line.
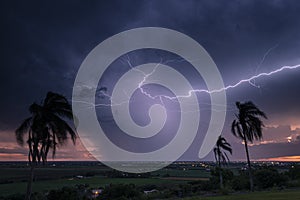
x=46 y=173
x=94 y=182
x=14 y=179
x=182 y=173
x=270 y=195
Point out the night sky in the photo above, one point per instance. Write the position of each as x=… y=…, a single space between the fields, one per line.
x=44 y=43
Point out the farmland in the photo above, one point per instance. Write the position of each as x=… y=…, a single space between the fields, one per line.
x=185 y=180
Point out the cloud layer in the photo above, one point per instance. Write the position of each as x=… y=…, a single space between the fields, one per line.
x=43 y=45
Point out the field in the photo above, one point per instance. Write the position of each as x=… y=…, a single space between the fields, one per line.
x=13 y=179
x=272 y=195
x=94 y=182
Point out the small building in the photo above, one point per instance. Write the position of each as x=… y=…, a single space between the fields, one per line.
x=96 y=192
x=150 y=191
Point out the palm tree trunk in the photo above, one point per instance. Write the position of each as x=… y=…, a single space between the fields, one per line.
x=220 y=174
x=30 y=180
x=221 y=179
x=249 y=166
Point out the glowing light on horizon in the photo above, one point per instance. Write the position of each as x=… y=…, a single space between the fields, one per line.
x=282 y=159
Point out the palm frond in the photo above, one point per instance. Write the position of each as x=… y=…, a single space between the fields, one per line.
x=220 y=156
x=248 y=124
x=22 y=129
x=61 y=129
x=46 y=127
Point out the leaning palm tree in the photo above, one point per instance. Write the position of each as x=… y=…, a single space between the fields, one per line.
x=221 y=156
x=44 y=130
x=248 y=127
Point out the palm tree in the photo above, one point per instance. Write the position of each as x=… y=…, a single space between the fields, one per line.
x=44 y=130
x=248 y=127
x=221 y=156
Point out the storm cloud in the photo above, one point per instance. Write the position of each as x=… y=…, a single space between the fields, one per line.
x=44 y=43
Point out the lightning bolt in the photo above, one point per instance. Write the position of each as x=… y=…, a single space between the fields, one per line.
x=265 y=56
x=190 y=92
x=261 y=62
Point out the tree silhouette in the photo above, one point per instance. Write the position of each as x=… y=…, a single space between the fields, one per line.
x=248 y=127
x=44 y=130
x=221 y=156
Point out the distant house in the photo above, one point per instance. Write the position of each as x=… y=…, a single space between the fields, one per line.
x=79 y=177
x=150 y=191
x=96 y=192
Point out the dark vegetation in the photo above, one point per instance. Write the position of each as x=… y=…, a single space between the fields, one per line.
x=236 y=180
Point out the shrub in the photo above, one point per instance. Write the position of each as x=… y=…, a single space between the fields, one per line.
x=240 y=182
x=120 y=191
x=294 y=172
x=73 y=193
x=215 y=178
x=268 y=177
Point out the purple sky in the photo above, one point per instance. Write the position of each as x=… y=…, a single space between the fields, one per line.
x=44 y=44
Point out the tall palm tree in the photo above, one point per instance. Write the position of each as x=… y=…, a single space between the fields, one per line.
x=248 y=127
x=44 y=130
x=221 y=156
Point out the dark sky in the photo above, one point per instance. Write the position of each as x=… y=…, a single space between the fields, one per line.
x=43 y=44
